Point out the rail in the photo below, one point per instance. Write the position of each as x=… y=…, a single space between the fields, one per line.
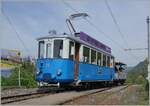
x=97 y=91
x=40 y=93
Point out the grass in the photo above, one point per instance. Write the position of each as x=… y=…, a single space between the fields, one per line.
x=138 y=75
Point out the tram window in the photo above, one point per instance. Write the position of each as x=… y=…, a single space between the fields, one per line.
x=93 y=57
x=41 y=49
x=86 y=52
x=48 y=50
x=104 y=60
x=58 y=48
x=108 y=61
x=112 y=61
x=99 y=58
x=71 y=50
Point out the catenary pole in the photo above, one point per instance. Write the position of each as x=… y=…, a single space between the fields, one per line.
x=147 y=20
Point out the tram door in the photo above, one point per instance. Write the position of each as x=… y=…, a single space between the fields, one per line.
x=77 y=48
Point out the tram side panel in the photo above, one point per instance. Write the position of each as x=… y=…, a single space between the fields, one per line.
x=90 y=72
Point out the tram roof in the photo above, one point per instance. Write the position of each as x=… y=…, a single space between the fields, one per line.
x=82 y=38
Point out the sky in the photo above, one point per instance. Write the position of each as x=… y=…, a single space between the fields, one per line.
x=35 y=18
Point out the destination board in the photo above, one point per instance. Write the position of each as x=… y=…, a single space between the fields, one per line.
x=94 y=42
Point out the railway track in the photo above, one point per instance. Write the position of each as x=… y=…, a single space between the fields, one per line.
x=5 y=100
x=17 y=98
x=101 y=90
x=40 y=93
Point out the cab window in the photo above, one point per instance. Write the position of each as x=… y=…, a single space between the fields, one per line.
x=58 y=49
x=48 y=50
x=41 y=49
x=71 y=50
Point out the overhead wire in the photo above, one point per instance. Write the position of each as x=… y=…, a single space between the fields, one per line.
x=117 y=25
x=115 y=21
x=14 y=29
x=93 y=25
x=99 y=30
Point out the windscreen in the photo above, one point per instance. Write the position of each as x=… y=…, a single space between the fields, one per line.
x=58 y=48
x=123 y=66
x=48 y=50
x=41 y=49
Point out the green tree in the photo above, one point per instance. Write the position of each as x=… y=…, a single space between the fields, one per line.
x=27 y=75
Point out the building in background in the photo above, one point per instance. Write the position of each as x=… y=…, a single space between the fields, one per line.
x=11 y=55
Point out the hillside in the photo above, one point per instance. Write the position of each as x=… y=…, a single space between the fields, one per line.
x=139 y=72
x=129 y=69
x=138 y=75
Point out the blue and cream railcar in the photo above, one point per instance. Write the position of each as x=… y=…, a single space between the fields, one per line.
x=68 y=59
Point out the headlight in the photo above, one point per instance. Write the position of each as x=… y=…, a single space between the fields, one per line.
x=58 y=72
x=37 y=71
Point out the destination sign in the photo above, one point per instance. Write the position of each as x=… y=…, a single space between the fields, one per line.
x=94 y=42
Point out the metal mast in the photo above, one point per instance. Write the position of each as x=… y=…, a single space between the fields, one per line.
x=147 y=20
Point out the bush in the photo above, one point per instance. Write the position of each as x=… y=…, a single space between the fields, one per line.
x=27 y=75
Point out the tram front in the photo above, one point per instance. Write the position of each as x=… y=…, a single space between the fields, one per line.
x=53 y=65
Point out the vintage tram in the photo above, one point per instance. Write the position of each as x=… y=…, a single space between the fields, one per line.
x=76 y=60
